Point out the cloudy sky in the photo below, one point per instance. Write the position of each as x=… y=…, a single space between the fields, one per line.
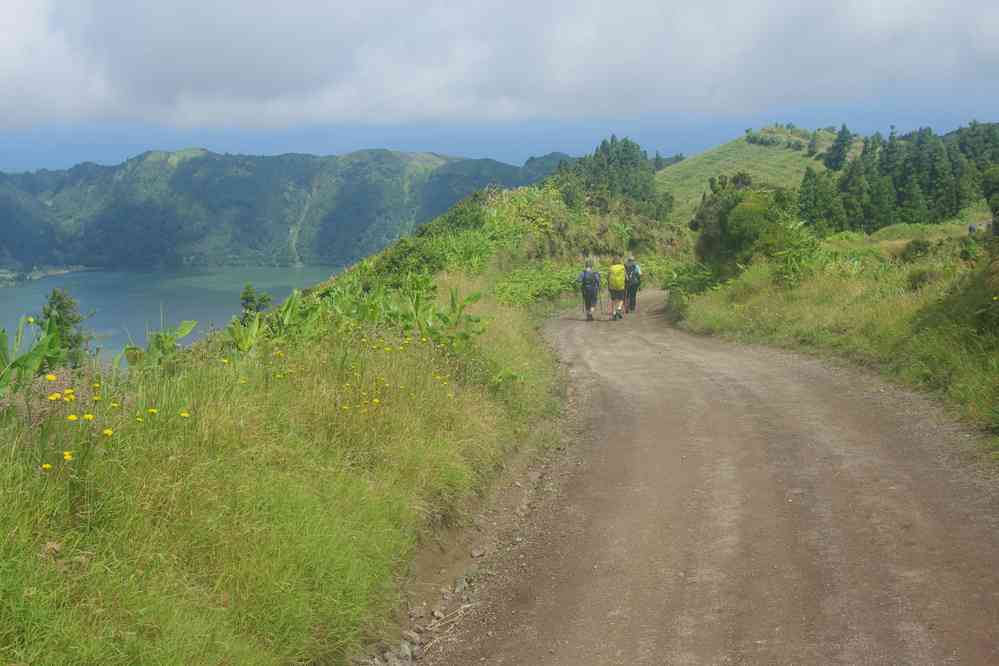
x=105 y=79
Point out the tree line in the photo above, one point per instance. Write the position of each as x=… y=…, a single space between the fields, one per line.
x=618 y=172
x=917 y=178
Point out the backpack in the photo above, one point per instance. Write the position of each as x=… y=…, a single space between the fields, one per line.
x=591 y=282
x=615 y=278
x=632 y=276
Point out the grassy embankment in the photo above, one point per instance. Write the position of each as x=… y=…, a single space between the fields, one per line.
x=922 y=303
x=258 y=506
x=770 y=165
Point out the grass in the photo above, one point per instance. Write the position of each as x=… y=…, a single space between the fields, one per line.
x=779 y=166
x=264 y=511
x=930 y=323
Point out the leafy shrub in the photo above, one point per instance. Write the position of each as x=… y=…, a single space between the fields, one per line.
x=921 y=277
x=533 y=283
x=915 y=249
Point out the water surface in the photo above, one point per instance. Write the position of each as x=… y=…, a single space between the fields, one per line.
x=124 y=305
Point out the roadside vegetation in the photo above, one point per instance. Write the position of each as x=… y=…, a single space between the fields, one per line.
x=253 y=498
x=902 y=278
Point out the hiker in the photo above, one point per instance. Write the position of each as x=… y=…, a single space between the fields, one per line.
x=632 y=282
x=616 y=286
x=589 y=283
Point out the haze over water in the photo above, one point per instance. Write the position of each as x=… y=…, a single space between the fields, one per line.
x=125 y=305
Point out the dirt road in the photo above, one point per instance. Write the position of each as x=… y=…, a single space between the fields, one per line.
x=738 y=505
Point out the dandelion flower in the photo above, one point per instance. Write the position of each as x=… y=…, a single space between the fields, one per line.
x=50 y=377
x=88 y=417
x=46 y=467
x=376 y=401
x=152 y=411
x=107 y=432
x=67 y=455
x=184 y=414
x=72 y=417
x=69 y=397
x=97 y=398
x=96 y=385
x=69 y=390
x=55 y=397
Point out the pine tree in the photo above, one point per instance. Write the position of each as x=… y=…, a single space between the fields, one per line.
x=856 y=195
x=914 y=208
x=808 y=204
x=836 y=155
x=832 y=215
x=945 y=194
x=883 y=207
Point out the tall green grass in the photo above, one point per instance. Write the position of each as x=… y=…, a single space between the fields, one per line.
x=930 y=322
x=258 y=506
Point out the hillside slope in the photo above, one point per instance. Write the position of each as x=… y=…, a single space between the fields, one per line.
x=194 y=207
x=773 y=165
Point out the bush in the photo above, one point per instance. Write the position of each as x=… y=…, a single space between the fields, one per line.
x=922 y=277
x=915 y=249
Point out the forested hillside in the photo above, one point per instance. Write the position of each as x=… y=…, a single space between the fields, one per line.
x=195 y=207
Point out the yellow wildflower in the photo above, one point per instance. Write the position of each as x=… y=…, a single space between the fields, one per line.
x=55 y=397
x=88 y=417
x=69 y=390
x=376 y=402
x=107 y=432
x=152 y=411
x=72 y=417
x=115 y=405
x=96 y=385
x=50 y=377
x=69 y=397
x=97 y=398
x=46 y=467
x=184 y=414
x=226 y=361
x=67 y=455
x=139 y=419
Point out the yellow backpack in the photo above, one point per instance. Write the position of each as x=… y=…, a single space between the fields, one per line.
x=615 y=279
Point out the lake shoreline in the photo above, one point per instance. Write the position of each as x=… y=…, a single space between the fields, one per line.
x=9 y=278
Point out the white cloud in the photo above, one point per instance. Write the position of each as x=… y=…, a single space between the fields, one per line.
x=250 y=63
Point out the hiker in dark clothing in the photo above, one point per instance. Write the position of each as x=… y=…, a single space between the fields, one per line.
x=632 y=282
x=589 y=283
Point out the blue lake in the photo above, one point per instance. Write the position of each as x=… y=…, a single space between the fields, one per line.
x=124 y=306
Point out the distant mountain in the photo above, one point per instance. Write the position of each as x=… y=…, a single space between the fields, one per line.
x=195 y=207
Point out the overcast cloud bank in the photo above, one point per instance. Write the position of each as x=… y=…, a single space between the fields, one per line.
x=256 y=64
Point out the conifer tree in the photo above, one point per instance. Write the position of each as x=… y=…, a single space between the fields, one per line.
x=914 y=209
x=883 y=207
x=836 y=155
x=856 y=195
x=808 y=205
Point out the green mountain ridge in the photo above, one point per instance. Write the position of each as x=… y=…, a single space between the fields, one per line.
x=194 y=207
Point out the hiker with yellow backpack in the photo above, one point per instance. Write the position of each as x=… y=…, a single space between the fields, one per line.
x=616 y=285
